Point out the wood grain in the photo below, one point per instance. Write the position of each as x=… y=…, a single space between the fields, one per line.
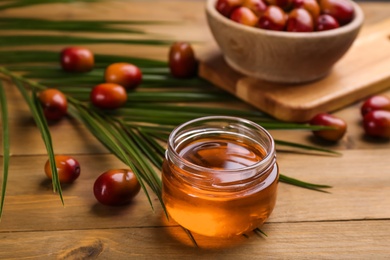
x=363 y=71
x=356 y=194
x=351 y=222
x=329 y=240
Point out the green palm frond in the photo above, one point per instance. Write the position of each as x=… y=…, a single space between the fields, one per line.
x=115 y=140
x=23 y=3
x=305 y=147
x=302 y=184
x=37 y=113
x=39 y=40
x=114 y=135
x=6 y=147
x=107 y=27
x=18 y=60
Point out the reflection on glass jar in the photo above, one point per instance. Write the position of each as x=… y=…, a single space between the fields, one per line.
x=220 y=176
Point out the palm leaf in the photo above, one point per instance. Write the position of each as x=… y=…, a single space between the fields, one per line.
x=204 y=110
x=31 y=40
x=118 y=143
x=36 y=110
x=189 y=234
x=24 y=3
x=69 y=26
x=159 y=151
x=148 y=147
x=20 y=58
x=6 y=145
x=302 y=184
x=306 y=147
x=260 y=232
x=151 y=81
x=53 y=71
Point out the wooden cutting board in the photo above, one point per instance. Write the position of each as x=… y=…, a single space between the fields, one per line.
x=363 y=71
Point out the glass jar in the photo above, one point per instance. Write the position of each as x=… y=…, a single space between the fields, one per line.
x=220 y=176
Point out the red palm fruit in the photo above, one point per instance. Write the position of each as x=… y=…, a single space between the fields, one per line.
x=341 y=10
x=274 y=18
x=311 y=6
x=68 y=168
x=182 y=61
x=375 y=103
x=54 y=103
x=257 y=6
x=116 y=187
x=226 y=7
x=326 y=22
x=108 y=96
x=377 y=123
x=324 y=119
x=245 y=16
x=77 y=59
x=125 y=74
x=300 y=20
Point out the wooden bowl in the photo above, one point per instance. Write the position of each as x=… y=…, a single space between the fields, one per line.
x=283 y=57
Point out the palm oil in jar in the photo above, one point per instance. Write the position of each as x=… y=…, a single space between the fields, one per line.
x=220 y=176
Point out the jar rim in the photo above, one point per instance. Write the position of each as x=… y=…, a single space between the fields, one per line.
x=266 y=162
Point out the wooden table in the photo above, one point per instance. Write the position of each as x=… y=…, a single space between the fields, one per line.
x=351 y=222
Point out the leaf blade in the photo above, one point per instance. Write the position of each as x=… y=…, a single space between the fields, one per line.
x=302 y=184
x=40 y=120
x=32 y=40
x=6 y=145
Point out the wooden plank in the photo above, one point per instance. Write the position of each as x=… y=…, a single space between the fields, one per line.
x=361 y=72
x=360 y=187
x=306 y=240
x=358 y=193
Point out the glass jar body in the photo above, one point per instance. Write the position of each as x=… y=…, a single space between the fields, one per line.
x=219 y=180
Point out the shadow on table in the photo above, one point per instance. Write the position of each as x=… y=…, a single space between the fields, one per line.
x=207 y=244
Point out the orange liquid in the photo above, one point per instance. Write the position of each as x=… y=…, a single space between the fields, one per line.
x=208 y=211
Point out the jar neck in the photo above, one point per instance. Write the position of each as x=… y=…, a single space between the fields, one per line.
x=242 y=131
